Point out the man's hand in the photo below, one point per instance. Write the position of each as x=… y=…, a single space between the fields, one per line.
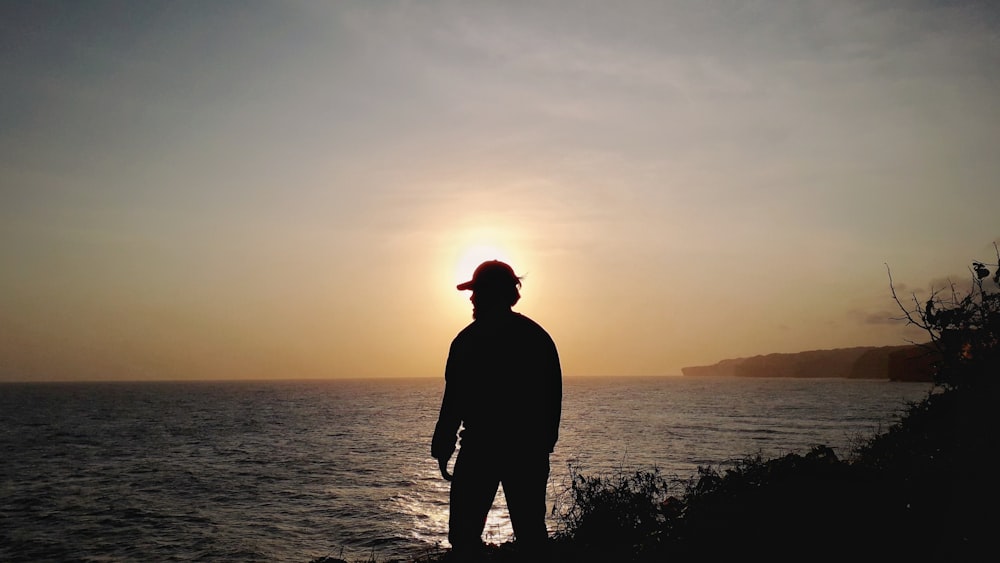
x=443 y=464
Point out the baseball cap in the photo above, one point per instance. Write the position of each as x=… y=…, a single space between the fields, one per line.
x=491 y=273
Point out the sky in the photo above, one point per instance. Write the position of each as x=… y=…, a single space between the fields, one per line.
x=248 y=189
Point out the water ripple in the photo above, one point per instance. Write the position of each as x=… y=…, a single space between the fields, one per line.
x=291 y=471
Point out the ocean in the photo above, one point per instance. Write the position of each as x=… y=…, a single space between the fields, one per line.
x=289 y=471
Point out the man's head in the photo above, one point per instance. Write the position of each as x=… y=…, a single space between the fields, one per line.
x=494 y=285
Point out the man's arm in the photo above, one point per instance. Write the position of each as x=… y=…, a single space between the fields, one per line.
x=449 y=418
x=446 y=429
x=554 y=399
x=443 y=466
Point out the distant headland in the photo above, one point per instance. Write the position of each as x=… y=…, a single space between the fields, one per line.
x=896 y=363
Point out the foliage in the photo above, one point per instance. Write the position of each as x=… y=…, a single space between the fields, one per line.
x=616 y=513
x=786 y=507
x=964 y=329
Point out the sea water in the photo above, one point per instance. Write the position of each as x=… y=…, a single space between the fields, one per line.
x=288 y=471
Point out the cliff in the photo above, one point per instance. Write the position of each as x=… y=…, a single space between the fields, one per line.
x=897 y=363
x=912 y=363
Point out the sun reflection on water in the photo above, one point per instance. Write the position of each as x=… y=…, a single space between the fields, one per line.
x=425 y=512
x=498 y=528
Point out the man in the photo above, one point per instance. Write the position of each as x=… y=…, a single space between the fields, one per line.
x=503 y=385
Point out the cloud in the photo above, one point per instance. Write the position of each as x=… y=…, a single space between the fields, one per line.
x=959 y=284
x=882 y=318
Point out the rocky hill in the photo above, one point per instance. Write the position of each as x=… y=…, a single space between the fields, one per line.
x=896 y=363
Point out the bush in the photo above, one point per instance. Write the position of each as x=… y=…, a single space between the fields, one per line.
x=616 y=516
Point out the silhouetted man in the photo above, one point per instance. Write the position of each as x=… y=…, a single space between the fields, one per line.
x=503 y=385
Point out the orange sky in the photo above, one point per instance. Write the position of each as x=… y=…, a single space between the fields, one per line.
x=272 y=190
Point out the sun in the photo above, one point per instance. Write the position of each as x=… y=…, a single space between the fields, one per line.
x=474 y=255
x=467 y=248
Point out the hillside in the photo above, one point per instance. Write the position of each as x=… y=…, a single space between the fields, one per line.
x=896 y=363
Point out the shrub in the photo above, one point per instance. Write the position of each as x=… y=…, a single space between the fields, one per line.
x=616 y=515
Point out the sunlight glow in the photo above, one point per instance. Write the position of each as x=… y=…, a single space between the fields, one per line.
x=462 y=249
x=474 y=256
x=475 y=246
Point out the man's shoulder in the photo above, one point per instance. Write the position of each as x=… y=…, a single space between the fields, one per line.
x=465 y=332
x=514 y=323
x=526 y=321
x=528 y=324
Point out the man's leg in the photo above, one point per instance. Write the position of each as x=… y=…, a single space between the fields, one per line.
x=472 y=492
x=524 y=482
